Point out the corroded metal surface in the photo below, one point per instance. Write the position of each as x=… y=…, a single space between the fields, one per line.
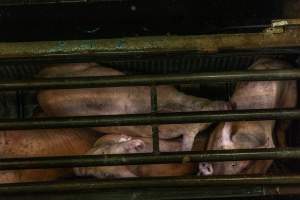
x=142 y=45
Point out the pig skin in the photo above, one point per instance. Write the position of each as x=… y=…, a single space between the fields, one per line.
x=39 y=143
x=123 y=100
x=252 y=134
x=123 y=144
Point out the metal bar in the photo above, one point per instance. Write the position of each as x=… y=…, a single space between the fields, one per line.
x=118 y=47
x=155 y=130
x=138 y=80
x=165 y=193
x=150 y=183
x=148 y=119
x=149 y=194
x=136 y=159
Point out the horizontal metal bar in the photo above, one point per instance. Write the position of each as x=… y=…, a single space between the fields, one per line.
x=138 y=80
x=137 y=46
x=136 y=159
x=144 y=183
x=168 y=193
x=149 y=119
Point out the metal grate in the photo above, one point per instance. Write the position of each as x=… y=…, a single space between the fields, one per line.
x=142 y=59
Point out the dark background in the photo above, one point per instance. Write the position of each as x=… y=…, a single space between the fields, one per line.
x=133 y=17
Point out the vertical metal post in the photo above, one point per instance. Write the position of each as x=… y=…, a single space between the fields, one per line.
x=155 y=131
x=20 y=104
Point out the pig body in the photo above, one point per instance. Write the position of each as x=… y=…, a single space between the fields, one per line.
x=36 y=143
x=123 y=144
x=122 y=100
x=251 y=134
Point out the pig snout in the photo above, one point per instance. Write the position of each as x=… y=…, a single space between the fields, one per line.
x=205 y=169
x=225 y=137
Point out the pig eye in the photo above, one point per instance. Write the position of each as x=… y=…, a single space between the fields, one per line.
x=249 y=140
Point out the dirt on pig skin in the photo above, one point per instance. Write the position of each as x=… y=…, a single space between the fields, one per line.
x=123 y=100
x=123 y=144
x=252 y=134
x=39 y=143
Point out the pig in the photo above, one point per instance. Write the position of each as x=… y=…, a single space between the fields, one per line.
x=252 y=134
x=124 y=144
x=123 y=100
x=36 y=143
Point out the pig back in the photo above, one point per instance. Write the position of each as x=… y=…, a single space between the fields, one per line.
x=39 y=143
x=265 y=94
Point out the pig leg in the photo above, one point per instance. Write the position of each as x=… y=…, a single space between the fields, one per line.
x=104 y=172
x=188 y=141
x=129 y=146
x=112 y=139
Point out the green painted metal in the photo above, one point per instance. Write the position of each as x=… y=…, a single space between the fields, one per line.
x=135 y=159
x=149 y=119
x=155 y=45
x=145 y=183
x=155 y=130
x=138 y=80
x=165 y=193
x=148 y=194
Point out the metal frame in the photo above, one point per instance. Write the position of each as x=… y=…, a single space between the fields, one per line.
x=284 y=42
x=140 y=80
x=156 y=193
x=149 y=119
x=150 y=182
x=129 y=47
x=149 y=158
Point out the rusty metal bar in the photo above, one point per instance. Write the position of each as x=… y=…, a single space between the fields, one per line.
x=148 y=45
x=77 y=186
x=136 y=159
x=155 y=130
x=149 y=119
x=138 y=80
